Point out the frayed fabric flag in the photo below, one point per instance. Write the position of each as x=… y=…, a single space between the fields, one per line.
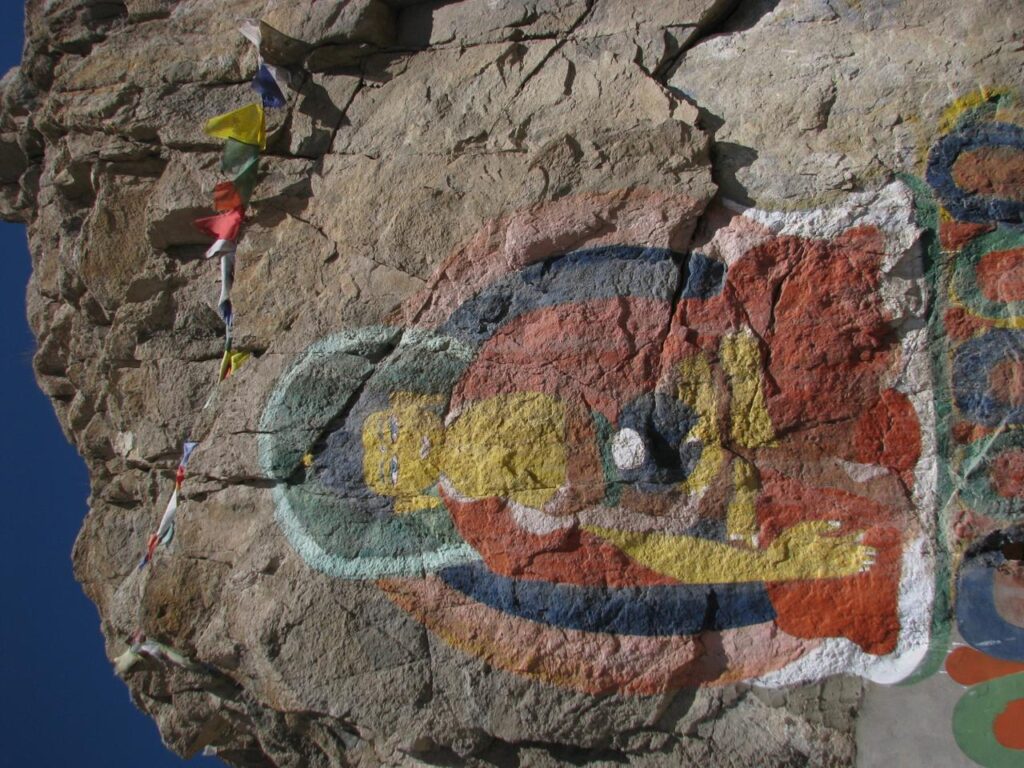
x=165 y=532
x=220 y=246
x=223 y=226
x=227 y=281
x=226 y=197
x=225 y=365
x=232 y=361
x=245 y=181
x=156 y=651
x=250 y=30
x=238 y=158
x=247 y=125
x=267 y=86
x=238 y=359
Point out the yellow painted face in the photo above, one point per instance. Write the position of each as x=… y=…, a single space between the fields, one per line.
x=400 y=446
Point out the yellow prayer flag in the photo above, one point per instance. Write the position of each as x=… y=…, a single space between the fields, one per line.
x=238 y=359
x=246 y=125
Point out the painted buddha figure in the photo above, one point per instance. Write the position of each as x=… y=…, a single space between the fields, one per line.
x=514 y=448
x=654 y=451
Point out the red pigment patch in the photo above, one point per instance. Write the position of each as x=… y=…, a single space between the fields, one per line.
x=970 y=667
x=1001 y=275
x=964 y=432
x=961 y=324
x=954 y=235
x=888 y=433
x=817 y=306
x=863 y=607
x=1006 y=382
x=992 y=171
x=1008 y=474
x=1008 y=726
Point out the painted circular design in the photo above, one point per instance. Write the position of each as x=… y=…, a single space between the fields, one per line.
x=661 y=424
x=987 y=484
x=970 y=291
x=977 y=614
x=973 y=365
x=987 y=719
x=965 y=204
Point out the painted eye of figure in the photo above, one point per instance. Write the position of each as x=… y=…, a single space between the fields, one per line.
x=394 y=470
x=394 y=429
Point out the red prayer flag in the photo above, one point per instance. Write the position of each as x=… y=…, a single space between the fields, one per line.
x=226 y=197
x=223 y=226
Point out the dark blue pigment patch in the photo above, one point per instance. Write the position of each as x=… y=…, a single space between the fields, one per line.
x=977 y=617
x=971 y=368
x=584 y=275
x=963 y=204
x=704 y=277
x=653 y=611
x=662 y=422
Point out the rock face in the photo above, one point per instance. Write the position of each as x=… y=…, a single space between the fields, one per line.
x=632 y=382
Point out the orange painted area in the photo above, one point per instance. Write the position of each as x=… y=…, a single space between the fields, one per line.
x=997 y=171
x=888 y=433
x=954 y=235
x=862 y=608
x=566 y=556
x=1006 y=382
x=817 y=307
x=595 y=663
x=1008 y=474
x=962 y=325
x=1008 y=726
x=966 y=432
x=1000 y=275
x=970 y=667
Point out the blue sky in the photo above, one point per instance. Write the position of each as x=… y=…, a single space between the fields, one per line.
x=61 y=703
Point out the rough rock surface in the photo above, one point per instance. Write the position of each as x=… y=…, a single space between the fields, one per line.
x=555 y=212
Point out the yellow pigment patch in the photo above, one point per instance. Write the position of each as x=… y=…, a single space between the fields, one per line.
x=697 y=390
x=973 y=100
x=741 y=519
x=510 y=446
x=400 y=446
x=805 y=551
x=751 y=424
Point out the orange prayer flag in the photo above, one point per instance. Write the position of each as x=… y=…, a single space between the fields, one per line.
x=226 y=197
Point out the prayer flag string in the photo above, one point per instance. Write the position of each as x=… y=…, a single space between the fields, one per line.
x=245 y=133
x=165 y=532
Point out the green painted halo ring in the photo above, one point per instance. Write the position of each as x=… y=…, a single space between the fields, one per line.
x=975 y=715
x=965 y=277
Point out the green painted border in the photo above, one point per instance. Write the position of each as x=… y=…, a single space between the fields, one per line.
x=936 y=271
x=974 y=715
x=965 y=278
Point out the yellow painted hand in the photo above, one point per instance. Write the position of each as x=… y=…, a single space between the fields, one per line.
x=810 y=550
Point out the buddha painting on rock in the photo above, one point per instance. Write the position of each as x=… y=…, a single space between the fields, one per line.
x=617 y=461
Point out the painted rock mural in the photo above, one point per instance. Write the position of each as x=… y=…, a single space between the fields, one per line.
x=602 y=381
x=620 y=456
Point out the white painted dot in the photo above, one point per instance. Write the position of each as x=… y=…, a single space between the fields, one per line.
x=628 y=450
